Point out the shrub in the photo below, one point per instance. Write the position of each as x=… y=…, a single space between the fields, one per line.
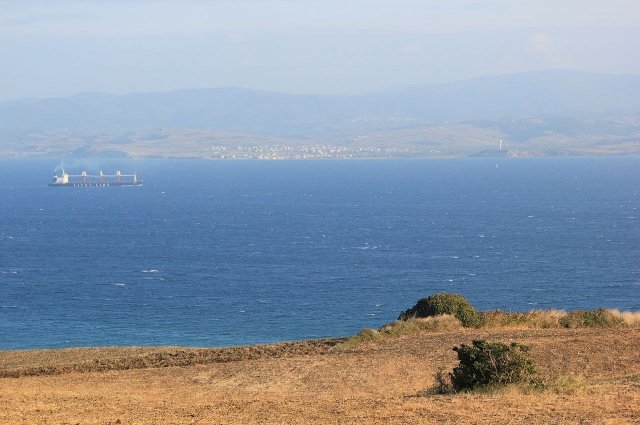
x=445 y=303
x=600 y=318
x=365 y=335
x=569 y=384
x=443 y=383
x=491 y=364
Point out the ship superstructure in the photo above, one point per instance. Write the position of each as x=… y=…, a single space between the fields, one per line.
x=88 y=180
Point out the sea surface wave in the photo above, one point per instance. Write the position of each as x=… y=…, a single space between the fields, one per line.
x=218 y=253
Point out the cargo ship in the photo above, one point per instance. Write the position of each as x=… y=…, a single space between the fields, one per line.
x=101 y=180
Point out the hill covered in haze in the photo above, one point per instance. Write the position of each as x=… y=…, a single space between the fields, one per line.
x=538 y=113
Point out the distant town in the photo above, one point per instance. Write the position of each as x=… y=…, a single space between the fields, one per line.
x=282 y=152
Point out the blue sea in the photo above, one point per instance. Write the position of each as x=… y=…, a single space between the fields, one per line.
x=218 y=253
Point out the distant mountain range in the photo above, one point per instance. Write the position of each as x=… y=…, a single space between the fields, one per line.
x=549 y=112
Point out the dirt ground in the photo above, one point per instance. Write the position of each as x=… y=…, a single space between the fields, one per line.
x=594 y=377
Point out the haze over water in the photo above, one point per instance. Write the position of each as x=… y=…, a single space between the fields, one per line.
x=224 y=253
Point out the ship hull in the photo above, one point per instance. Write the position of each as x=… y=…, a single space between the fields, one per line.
x=95 y=184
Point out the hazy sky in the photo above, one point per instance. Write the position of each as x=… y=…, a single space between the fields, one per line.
x=63 y=47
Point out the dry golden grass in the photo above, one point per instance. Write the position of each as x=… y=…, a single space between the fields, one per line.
x=546 y=319
x=631 y=318
x=594 y=376
x=569 y=384
x=53 y=362
x=444 y=322
x=534 y=319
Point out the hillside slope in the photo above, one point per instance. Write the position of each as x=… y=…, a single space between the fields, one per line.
x=550 y=112
x=594 y=375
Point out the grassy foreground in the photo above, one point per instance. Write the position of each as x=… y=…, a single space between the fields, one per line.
x=593 y=375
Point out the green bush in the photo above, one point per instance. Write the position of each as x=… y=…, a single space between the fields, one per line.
x=600 y=318
x=445 y=303
x=491 y=364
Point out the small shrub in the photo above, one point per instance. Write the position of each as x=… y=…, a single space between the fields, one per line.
x=491 y=364
x=362 y=337
x=569 y=384
x=600 y=318
x=443 y=383
x=445 y=303
x=369 y=334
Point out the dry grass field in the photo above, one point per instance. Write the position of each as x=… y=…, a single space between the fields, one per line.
x=593 y=377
